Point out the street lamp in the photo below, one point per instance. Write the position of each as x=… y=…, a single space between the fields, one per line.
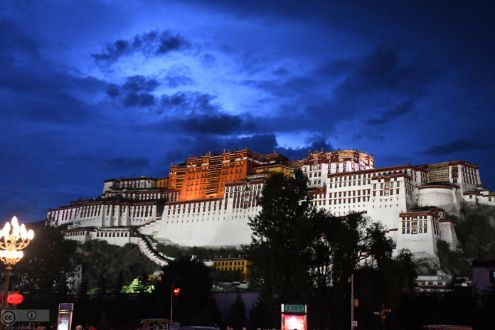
x=13 y=238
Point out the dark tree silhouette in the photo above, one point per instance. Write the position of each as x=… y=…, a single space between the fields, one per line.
x=304 y=255
x=236 y=317
x=194 y=280
x=44 y=274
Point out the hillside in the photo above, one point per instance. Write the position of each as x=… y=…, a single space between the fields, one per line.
x=475 y=229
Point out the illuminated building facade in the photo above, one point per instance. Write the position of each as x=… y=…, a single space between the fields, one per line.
x=240 y=265
x=208 y=200
x=206 y=176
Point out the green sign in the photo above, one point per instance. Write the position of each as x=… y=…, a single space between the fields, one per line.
x=293 y=309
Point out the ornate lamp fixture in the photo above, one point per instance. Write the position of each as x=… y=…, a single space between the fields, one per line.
x=13 y=238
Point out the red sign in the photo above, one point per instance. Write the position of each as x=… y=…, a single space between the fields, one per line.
x=293 y=322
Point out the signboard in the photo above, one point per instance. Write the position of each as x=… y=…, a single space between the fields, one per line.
x=65 y=316
x=11 y=316
x=66 y=307
x=293 y=322
x=294 y=317
x=293 y=309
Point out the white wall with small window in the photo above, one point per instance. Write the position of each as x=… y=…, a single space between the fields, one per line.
x=418 y=232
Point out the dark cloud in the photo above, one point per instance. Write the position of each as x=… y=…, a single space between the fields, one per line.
x=177 y=80
x=251 y=62
x=126 y=164
x=135 y=92
x=114 y=165
x=368 y=84
x=431 y=28
x=315 y=143
x=139 y=84
x=172 y=42
x=457 y=146
x=368 y=135
x=21 y=206
x=113 y=90
x=213 y=124
x=196 y=145
x=56 y=107
x=383 y=71
x=392 y=113
x=15 y=40
x=208 y=60
x=295 y=86
x=44 y=78
x=348 y=88
x=280 y=71
x=262 y=143
x=43 y=93
x=195 y=113
x=151 y=43
x=33 y=88
x=138 y=100
x=23 y=69
x=336 y=68
x=189 y=102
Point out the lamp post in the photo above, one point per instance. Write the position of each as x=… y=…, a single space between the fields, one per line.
x=171 y=304
x=354 y=302
x=174 y=292
x=13 y=238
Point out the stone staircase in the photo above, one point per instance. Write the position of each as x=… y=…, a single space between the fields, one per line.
x=148 y=226
x=148 y=247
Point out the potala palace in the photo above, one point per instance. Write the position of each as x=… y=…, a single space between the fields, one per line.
x=208 y=200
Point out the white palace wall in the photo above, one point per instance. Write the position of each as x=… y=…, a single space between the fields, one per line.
x=215 y=222
x=447 y=234
x=418 y=232
x=445 y=197
x=346 y=186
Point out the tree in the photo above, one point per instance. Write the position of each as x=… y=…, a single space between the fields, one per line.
x=487 y=318
x=260 y=315
x=236 y=317
x=280 y=240
x=47 y=269
x=194 y=280
x=227 y=276
x=454 y=261
x=110 y=266
x=304 y=255
x=209 y=315
x=338 y=245
x=476 y=231
x=390 y=283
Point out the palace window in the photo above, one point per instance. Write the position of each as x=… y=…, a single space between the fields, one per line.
x=414 y=227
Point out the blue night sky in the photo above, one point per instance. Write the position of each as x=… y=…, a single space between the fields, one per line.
x=91 y=90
